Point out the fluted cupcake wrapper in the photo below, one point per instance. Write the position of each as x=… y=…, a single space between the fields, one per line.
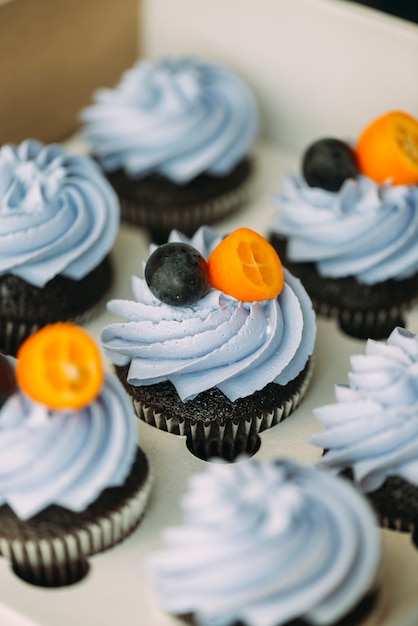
x=360 y=615
x=398 y=524
x=187 y=219
x=25 y=308
x=61 y=559
x=364 y=324
x=395 y=504
x=13 y=333
x=228 y=439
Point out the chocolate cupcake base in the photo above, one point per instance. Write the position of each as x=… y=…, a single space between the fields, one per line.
x=362 y=311
x=51 y=548
x=395 y=504
x=160 y=205
x=25 y=308
x=355 y=617
x=215 y=426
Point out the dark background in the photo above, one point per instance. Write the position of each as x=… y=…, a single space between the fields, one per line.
x=407 y=9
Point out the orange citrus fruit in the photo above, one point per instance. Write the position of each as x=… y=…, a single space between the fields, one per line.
x=60 y=366
x=244 y=265
x=388 y=149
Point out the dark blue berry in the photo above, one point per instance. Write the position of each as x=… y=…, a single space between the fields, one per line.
x=7 y=380
x=327 y=163
x=177 y=274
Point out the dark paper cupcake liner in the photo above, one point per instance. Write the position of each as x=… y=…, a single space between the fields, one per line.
x=363 y=324
x=228 y=439
x=25 y=308
x=59 y=557
x=13 y=333
x=395 y=504
x=161 y=205
x=355 y=617
x=186 y=219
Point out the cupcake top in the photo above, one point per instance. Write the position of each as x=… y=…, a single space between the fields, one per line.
x=351 y=219
x=364 y=230
x=373 y=427
x=58 y=215
x=65 y=457
x=310 y=538
x=179 y=118
x=217 y=341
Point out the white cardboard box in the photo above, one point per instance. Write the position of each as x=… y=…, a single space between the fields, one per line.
x=317 y=66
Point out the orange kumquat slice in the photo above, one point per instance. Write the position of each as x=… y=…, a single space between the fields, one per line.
x=246 y=266
x=388 y=149
x=60 y=366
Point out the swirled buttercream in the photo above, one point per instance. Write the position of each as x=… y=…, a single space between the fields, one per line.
x=265 y=544
x=373 y=427
x=65 y=458
x=364 y=230
x=179 y=118
x=58 y=214
x=221 y=342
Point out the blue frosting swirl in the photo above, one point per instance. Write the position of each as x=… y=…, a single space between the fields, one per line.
x=373 y=427
x=58 y=214
x=219 y=341
x=267 y=543
x=65 y=458
x=179 y=118
x=364 y=230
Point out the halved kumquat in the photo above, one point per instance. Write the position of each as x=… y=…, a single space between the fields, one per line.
x=246 y=266
x=387 y=149
x=60 y=366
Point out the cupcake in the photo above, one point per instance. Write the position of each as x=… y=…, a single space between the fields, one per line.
x=371 y=433
x=73 y=481
x=348 y=227
x=58 y=221
x=269 y=544
x=174 y=139
x=203 y=360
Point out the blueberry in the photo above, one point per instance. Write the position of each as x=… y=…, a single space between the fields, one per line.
x=327 y=163
x=177 y=274
x=7 y=380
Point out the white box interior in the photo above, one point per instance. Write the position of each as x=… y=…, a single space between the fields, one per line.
x=318 y=67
